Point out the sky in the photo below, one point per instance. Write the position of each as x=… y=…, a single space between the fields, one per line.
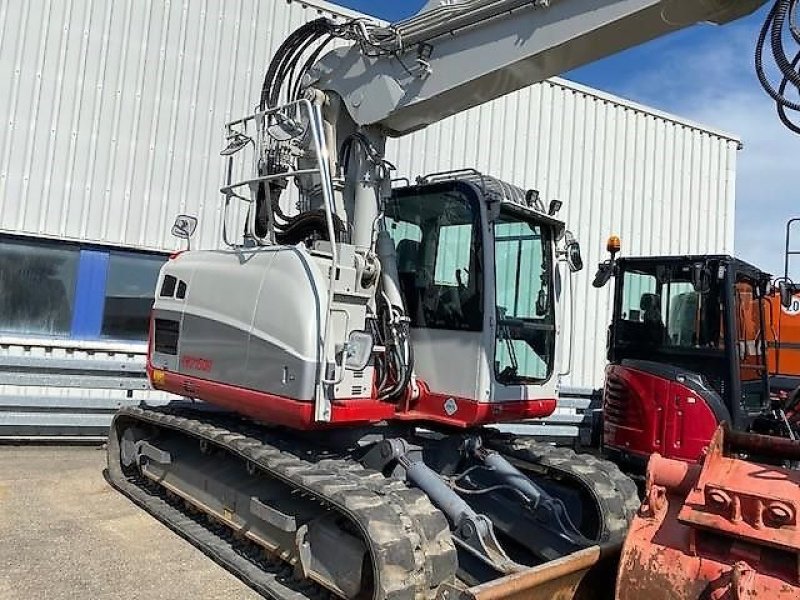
x=704 y=73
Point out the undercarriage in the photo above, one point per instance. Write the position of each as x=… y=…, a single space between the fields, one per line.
x=380 y=512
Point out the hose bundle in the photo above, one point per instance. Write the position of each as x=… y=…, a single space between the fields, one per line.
x=312 y=37
x=781 y=18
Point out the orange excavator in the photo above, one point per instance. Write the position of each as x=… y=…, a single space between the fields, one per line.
x=344 y=357
x=783 y=334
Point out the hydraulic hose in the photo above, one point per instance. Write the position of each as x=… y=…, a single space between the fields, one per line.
x=783 y=13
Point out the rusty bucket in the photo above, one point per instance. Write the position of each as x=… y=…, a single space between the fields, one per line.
x=726 y=529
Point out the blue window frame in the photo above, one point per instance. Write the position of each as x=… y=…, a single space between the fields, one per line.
x=67 y=290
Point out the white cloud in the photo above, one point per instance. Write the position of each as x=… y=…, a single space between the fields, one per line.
x=712 y=81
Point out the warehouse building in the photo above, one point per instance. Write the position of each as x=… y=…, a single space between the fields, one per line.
x=113 y=123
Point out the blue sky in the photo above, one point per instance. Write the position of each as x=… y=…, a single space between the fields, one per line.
x=704 y=73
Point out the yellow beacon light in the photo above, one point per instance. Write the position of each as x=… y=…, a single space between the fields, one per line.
x=613 y=244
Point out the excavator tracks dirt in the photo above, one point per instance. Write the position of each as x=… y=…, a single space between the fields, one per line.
x=410 y=549
x=599 y=482
x=405 y=540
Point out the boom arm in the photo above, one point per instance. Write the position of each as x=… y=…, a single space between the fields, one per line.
x=450 y=58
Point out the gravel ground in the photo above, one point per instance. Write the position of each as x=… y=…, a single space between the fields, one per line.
x=65 y=533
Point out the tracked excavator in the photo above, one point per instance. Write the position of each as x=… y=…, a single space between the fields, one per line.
x=687 y=350
x=344 y=357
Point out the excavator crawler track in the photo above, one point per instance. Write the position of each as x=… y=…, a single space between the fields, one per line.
x=410 y=548
x=598 y=481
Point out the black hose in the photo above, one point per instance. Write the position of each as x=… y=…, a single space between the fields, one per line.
x=308 y=224
x=775 y=27
x=287 y=56
x=295 y=95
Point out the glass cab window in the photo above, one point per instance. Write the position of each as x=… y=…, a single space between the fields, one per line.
x=438 y=243
x=662 y=309
x=525 y=340
x=748 y=344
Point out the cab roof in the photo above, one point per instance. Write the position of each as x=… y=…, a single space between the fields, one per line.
x=632 y=262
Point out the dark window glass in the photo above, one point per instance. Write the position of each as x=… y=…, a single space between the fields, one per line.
x=37 y=287
x=168 y=287
x=181 y=291
x=662 y=308
x=130 y=288
x=437 y=237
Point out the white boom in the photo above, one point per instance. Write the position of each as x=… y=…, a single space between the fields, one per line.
x=449 y=58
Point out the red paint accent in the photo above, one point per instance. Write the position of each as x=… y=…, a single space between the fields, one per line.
x=269 y=408
x=430 y=407
x=195 y=363
x=644 y=413
x=299 y=414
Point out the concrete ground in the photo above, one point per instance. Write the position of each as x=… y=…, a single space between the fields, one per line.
x=65 y=533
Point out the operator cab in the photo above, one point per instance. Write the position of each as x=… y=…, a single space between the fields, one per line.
x=476 y=262
x=686 y=351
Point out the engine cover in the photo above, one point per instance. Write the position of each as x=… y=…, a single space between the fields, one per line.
x=206 y=323
x=652 y=407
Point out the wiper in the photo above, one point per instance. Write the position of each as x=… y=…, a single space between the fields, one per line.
x=508 y=374
x=504 y=332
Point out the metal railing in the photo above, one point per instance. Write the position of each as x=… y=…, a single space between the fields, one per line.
x=272 y=133
x=67 y=394
x=71 y=394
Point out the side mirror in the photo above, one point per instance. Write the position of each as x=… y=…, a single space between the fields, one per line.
x=785 y=290
x=571 y=252
x=605 y=271
x=184 y=227
x=574 y=258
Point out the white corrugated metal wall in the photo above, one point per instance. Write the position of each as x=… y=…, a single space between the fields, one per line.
x=114 y=111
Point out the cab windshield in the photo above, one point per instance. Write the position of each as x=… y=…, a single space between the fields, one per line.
x=677 y=313
x=670 y=308
x=525 y=338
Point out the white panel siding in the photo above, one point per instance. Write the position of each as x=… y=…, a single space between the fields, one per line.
x=114 y=110
x=112 y=124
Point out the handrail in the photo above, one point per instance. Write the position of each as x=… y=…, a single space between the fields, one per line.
x=238 y=127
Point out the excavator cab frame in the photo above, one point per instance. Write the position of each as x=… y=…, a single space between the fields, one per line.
x=687 y=351
x=479 y=272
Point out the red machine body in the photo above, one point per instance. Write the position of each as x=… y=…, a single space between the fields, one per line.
x=299 y=414
x=726 y=529
x=647 y=412
x=686 y=352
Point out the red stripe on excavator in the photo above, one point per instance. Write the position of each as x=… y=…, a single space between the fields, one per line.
x=299 y=414
x=463 y=412
x=278 y=410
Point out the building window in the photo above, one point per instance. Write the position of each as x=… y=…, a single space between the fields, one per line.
x=130 y=286
x=37 y=287
x=62 y=289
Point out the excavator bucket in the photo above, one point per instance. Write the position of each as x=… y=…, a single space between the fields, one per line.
x=577 y=576
x=726 y=529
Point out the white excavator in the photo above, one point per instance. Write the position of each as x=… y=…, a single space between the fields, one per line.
x=343 y=358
